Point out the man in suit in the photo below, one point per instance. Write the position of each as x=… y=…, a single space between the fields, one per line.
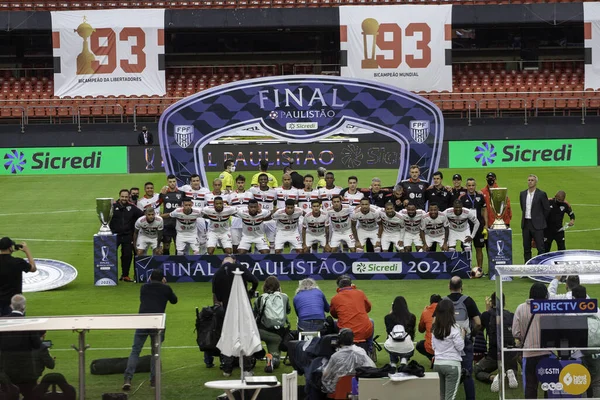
x=535 y=208
x=145 y=138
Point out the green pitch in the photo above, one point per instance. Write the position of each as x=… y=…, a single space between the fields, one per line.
x=56 y=216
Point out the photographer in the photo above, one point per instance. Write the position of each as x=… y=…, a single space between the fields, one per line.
x=11 y=272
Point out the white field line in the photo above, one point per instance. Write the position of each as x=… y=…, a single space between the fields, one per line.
x=44 y=212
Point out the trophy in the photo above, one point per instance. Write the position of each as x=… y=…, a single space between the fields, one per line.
x=149 y=156
x=370 y=28
x=104 y=209
x=498 y=202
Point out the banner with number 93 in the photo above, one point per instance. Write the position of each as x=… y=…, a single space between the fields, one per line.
x=108 y=52
x=407 y=46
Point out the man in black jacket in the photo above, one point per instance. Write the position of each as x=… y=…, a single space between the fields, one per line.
x=535 y=207
x=123 y=225
x=145 y=138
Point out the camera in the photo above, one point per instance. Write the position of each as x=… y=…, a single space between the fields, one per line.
x=47 y=343
x=18 y=246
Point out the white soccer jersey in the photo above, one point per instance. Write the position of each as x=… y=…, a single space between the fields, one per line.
x=368 y=221
x=209 y=198
x=434 y=227
x=197 y=195
x=253 y=225
x=287 y=223
x=460 y=223
x=352 y=200
x=326 y=194
x=265 y=198
x=218 y=222
x=284 y=194
x=153 y=202
x=186 y=223
x=305 y=197
x=340 y=221
x=412 y=225
x=393 y=224
x=149 y=229
x=316 y=225
x=238 y=199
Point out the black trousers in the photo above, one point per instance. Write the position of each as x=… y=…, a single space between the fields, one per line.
x=531 y=379
x=529 y=232
x=126 y=243
x=559 y=237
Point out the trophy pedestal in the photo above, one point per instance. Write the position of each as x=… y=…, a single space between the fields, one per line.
x=106 y=267
x=499 y=249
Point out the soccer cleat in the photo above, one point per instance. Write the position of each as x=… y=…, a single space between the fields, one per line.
x=126 y=279
x=512 y=379
x=393 y=365
x=269 y=366
x=226 y=374
x=152 y=383
x=127 y=385
x=495 y=388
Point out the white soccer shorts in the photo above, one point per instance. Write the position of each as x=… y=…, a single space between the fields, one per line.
x=430 y=240
x=145 y=242
x=270 y=228
x=412 y=238
x=364 y=235
x=259 y=242
x=311 y=239
x=236 y=236
x=337 y=238
x=390 y=238
x=291 y=237
x=184 y=241
x=454 y=236
x=213 y=239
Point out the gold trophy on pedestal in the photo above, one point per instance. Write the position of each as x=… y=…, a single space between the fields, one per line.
x=370 y=27
x=498 y=202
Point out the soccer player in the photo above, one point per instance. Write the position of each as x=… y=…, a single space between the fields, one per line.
x=554 y=231
x=266 y=198
x=150 y=198
x=217 y=218
x=367 y=226
x=391 y=228
x=238 y=198
x=187 y=231
x=315 y=228
x=434 y=229
x=437 y=193
x=308 y=194
x=458 y=225
x=457 y=190
x=195 y=191
x=170 y=197
x=329 y=190
x=412 y=217
x=264 y=166
x=252 y=232
x=217 y=191
x=226 y=176
x=148 y=233
x=351 y=195
x=474 y=201
x=287 y=227
x=414 y=188
x=341 y=225
x=286 y=191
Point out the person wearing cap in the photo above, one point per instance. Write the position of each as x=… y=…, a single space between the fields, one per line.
x=457 y=190
x=507 y=215
x=11 y=272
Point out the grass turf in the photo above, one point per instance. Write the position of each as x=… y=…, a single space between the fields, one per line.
x=56 y=216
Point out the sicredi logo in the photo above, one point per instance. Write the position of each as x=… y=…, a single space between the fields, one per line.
x=523 y=153
x=579 y=306
x=64 y=160
x=376 y=267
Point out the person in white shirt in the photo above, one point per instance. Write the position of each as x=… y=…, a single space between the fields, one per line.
x=330 y=190
x=217 y=191
x=571 y=281
x=148 y=233
x=187 y=231
x=458 y=225
x=315 y=228
x=341 y=225
x=219 y=232
x=266 y=198
x=351 y=195
x=367 y=227
x=253 y=219
x=448 y=342
x=391 y=229
x=286 y=191
x=411 y=217
x=434 y=229
x=308 y=194
x=238 y=198
x=195 y=192
x=287 y=227
x=150 y=199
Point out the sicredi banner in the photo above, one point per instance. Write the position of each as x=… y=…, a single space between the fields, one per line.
x=407 y=46
x=523 y=153
x=108 y=52
x=64 y=160
x=564 y=306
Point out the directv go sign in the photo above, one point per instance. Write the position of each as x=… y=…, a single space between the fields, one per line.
x=564 y=306
x=523 y=153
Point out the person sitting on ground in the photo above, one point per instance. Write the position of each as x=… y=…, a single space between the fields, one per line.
x=271 y=310
x=344 y=361
x=310 y=305
x=425 y=322
x=400 y=327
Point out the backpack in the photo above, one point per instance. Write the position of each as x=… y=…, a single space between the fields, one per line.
x=461 y=315
x=273 y=310
x=398 y=333
x=507 y=335
x=209 y=323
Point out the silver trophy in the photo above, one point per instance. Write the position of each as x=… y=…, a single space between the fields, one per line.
x=104 y=209
x=500 y=247
x=104 y=250
x=149 y=156
x=498 y=202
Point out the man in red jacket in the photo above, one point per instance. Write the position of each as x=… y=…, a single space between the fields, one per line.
x=351 y=308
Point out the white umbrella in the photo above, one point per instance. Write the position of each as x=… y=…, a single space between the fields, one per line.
x=240 y=336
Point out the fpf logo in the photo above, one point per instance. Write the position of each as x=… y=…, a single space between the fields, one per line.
x=485 y=154
x=14 y=161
